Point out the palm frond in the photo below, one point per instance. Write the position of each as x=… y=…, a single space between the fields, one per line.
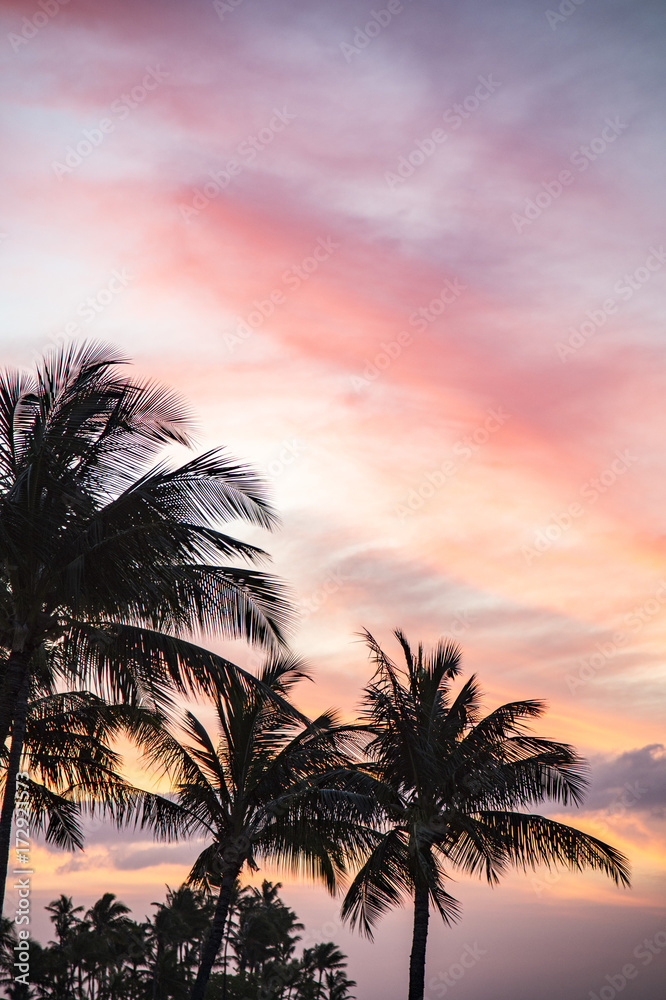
x=382 y=883
x=532 y=840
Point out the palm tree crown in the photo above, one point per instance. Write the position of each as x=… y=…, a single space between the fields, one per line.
x=109 y=566
x=270 y=786
x=450 y=782
x=93 y=540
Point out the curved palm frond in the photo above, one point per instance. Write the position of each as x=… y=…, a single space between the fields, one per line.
x=530 y=841
x=384 y=881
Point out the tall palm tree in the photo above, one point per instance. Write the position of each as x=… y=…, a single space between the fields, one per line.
x=114 y=562
x=450 y=782
x=266 y=788
x=65 y=917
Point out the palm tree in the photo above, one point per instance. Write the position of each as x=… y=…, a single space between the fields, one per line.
x=265 y=939
x=104 y=940
x=65 y=916
x=63 y=739
x=325 y=957
x=449 y=781
x=111 y=561
x=268 y=789
x=338 y=986
x=265 y=928
x=175 y=934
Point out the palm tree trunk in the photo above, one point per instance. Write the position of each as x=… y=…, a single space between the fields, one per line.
x=419 y=940
x=226 y=957
x=214 y=940
x=16 y=667
x=157 y=971
x=8 y=800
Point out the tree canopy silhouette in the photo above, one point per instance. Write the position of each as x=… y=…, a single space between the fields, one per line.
x=453 y=784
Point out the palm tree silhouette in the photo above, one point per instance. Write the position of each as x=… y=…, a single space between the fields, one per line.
x=322 y=958
x=112 y=561
x=13 y=988
x=174 y=937
x=266 y=928
x=449 y=781
x=65 y=917
x=106 y=936
x=338 y=986
x=263 y=791
x=105 y=955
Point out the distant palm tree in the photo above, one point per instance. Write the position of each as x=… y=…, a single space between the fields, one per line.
x=107 y=923
x=65 y=916
x=450 y=781
x=175 y=934
x=262 y=790
x=266 y=928
x=291 y=974
x=338 y=986
x=322 y=958
x=115 y=563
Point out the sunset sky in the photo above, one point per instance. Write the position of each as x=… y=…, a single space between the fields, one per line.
x=409 y=260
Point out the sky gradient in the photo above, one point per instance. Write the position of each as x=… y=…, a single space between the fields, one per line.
x=410 y=264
